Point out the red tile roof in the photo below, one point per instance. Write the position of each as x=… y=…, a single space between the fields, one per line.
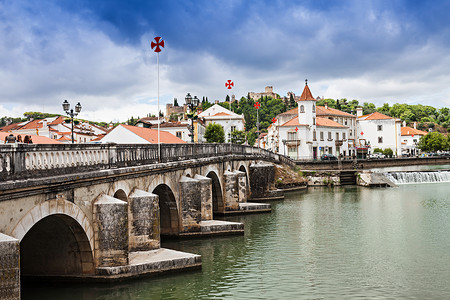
x=151 y=135
x=322 y=111
x=57 y=121
x=172 y=124
x=33 y=124
x=221 y=114
x=375 y=116
x=13 y=126
x=306 y=95
x=412 y=131
x=293 y=122
x=324 y=122
x=293 y=111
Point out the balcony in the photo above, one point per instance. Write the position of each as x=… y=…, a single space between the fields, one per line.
x=291 y=142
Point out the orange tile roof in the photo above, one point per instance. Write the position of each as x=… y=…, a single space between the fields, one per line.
x=57 y=121
x=324 y=122
x=37 y=139
x=64 y=138
x=293 y=122
x=151 y=135
x=221 y=114
x=322 y=111
x=306 y=95
x=98 y=138
x=375 y=116
x=13 y=126
x=291 y=111
x=172 y=124
x=411 y=131
x=32 y=125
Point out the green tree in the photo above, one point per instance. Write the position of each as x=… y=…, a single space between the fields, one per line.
x=291 y=101
x=238 y=136
x=377 y=150
x=388 y=152
x=175 y=102
x=214 y=133
x=433 y=141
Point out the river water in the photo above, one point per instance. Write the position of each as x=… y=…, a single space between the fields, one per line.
x=326 y=243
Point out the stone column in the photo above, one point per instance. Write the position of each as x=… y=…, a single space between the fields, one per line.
x=242 y=186
x=206 y=192
x=110 y=231
x=143 y=221
x=262 y=178
x=190 y=204
x=9 y=267
x=230 y=191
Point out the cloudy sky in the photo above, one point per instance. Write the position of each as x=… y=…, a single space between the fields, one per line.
x=98 y=52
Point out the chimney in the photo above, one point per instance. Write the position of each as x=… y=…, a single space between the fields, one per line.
x=415 y=124
x=326 y=105
x=359 y=111
x=404 y=124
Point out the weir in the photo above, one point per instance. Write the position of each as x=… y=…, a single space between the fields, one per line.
x=418 y=177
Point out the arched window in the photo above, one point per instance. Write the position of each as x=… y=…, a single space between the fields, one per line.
x=314 y=108
x=302 y=108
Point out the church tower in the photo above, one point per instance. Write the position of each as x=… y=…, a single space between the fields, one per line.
x=307 y=108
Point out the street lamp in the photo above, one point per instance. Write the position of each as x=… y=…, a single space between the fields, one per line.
x=192 y=104
x=71 y=113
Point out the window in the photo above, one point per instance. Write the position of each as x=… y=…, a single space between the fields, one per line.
x=292 y=136
x=337 y=136
x=314 y=136
x=345 y=122
x=178 y=134
x=233 y=128
x=380 y=127
x=343 y=136
x=321 y=135
x=351 y=132
x=329 y=136
x=314 y=108
x=414 y=140
x=380 y=140
x=302 y=108
x=314 y=121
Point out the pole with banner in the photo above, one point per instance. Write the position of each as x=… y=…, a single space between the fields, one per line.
x=157 y=44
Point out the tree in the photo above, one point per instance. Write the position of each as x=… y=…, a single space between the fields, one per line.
x=175 y=102
x=238 y=136
x=214 y=133
x=227 y=99
x=291 y=101
x=377 y=150
x=433 y=141
x=388 y=152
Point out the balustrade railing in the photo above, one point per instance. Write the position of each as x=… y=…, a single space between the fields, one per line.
x=19 y=161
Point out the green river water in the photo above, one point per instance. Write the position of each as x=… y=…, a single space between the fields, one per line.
x=326 y=243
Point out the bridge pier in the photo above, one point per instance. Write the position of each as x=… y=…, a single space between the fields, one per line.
x=190 y=205
x=230 y=191
x=206 y=194
x=9 y=268
x=143 y=221
x=110 y=232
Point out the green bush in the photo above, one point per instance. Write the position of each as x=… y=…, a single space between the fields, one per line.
x=377 y=150
x=388 y=152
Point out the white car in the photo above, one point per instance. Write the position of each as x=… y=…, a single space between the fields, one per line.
x=376 y=155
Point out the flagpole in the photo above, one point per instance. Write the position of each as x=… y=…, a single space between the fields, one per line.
x=159 y=121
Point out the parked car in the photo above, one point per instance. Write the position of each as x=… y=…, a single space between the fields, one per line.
x=376 y=155
x=328 y=157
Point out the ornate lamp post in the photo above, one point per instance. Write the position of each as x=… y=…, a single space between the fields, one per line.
x=71 y=113
x=192 y=104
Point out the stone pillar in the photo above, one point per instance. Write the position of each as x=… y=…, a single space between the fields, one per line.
x=206 y=192
x=190 y=204
x=9 y=268
x=143 y=221
x=242 y=186
x=230 y=191
x=262 y=178
x=110 y=231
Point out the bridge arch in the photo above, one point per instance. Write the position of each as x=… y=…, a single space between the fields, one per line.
x=168 y=210
x=55 y=238
x=121 y=195
x=217 y=198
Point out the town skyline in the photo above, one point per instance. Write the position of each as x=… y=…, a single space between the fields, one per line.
x=100 y=55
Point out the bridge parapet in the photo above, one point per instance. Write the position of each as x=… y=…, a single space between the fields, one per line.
x=19 y=161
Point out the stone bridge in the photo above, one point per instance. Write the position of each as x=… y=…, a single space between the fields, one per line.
x=97 y=212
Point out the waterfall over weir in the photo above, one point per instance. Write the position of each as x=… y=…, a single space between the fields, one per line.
x=419 y=177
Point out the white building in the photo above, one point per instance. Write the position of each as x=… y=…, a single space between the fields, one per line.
x=229 y=120
x=181 y=130
x=379 y=131
x=410 y=139
x=307 y=131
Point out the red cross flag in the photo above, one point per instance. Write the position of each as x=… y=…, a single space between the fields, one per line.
x=157 y=44
x=229 y=84
x=257 y=105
